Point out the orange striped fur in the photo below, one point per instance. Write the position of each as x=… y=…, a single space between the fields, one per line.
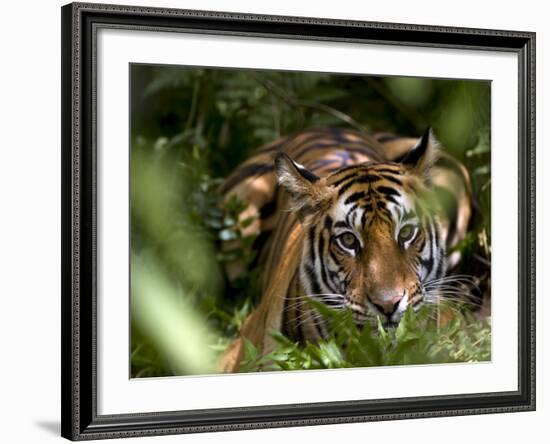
x=349 y=217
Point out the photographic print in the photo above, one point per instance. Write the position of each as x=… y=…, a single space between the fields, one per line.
x=306 y=220
x=273 y=221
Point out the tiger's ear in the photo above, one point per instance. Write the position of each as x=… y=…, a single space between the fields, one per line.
x=422 y=156
x=308 y=192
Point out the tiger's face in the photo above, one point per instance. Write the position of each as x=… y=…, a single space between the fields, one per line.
x=372 y=241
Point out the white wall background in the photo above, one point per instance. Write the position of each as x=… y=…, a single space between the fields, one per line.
x=30 y=219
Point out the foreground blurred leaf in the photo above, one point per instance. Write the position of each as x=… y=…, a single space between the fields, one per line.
x=175 y=327
x=162 y=211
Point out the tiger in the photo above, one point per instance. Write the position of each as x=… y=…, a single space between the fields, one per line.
x=352 y=220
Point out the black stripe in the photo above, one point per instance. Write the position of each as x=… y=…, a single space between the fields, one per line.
x=312 y=245
x=258 y=245
x=345 y=188
x=392 y=199
x=355 y=197
x=338 y=134
x=368 y=178
x=293 y=143
x=268 y=209
x=310 y=272
x=388 y=191
x=345 y=178
x=348 y=146
x=363 y=219
x=439 y=264
x=432 y=244
x=306 y=147
x=359 y=178
x=318 y=164
x=365 y=178
x=306 y=174
x=331 y=303
x=328 y=223
x=324 y=277
x=341 y=224
x=435 y=240
x=252 y=169
x=392 y=179
x=272 y=146
x=365 y=150
x=386 y=138
x=388 y=170
x=428 y=263
x=355 y=166
x=436 y=267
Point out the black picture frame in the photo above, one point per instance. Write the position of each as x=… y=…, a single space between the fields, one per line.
x=79 y=171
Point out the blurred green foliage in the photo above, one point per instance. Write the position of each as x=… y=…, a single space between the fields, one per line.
x=190 y=127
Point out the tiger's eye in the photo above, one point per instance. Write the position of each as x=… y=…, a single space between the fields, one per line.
x=406 y=233
x=349 y=241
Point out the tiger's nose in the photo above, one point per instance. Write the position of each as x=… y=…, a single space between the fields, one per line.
x=388 y=306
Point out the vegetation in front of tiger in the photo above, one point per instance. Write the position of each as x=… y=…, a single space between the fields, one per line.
x=418 y=339
x=191 y=127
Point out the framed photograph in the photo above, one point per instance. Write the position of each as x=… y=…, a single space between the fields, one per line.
x=278 y=221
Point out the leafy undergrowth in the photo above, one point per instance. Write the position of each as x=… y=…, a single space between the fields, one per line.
x=417 y=340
